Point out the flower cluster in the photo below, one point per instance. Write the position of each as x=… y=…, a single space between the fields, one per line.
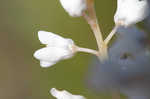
x=129 y=12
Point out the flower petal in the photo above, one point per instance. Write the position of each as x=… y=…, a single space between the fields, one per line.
x=74 y=7
x=126 y=9
x=46 y=64
x=50 y=55
x=51 y=39
x=64 y=94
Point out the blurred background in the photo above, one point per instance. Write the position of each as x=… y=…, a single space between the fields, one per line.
x=21 y=76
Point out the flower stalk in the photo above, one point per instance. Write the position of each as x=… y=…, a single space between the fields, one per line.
x=111 y=34
x=85 y=50
x=93 y=22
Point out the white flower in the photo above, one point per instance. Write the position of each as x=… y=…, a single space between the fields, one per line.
x=64 y=94
x=131 y=11
x=74 y=7
x=57 y=48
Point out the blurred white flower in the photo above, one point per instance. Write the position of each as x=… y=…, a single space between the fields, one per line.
x=131 y=11
x=64 y=94
x=57 y=48
x=74 y=7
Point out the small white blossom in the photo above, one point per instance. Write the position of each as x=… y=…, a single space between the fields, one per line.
x=74 y=7
x=131 y=11
x=57 y=48
x=64 y=94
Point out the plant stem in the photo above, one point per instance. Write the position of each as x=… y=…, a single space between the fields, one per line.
x=87 y=50
x=93 y=22
x=111 y=34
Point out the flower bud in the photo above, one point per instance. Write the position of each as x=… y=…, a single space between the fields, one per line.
x=58 y=48
x=131 y=11
x=64 y=94
x=74 y=7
